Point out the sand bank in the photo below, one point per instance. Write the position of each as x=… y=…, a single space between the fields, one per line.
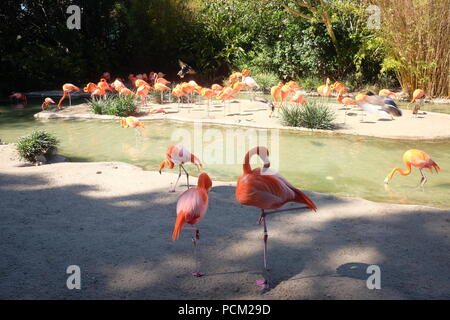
x=115 y=220
x=426 y=126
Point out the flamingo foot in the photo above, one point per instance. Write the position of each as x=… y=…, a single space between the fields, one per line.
x=198 y=274
x=264 y=284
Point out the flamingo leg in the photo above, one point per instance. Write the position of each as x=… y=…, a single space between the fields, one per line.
x=195 y=238
x=424 y=179
x=70 y=100
x=187 y=175
x=179 y=175
x=264 y=284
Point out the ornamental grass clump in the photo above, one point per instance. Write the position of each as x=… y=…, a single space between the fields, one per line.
x=36 y=144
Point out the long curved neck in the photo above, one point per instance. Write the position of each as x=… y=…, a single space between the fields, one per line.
x=403 y=173
x=261 y=152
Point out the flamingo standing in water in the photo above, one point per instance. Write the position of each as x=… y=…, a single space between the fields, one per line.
x=178 y=154
x=208 y=94
x=67 y=89
x=266 y=190
x=418 y=159
x=47 y=102
x=19 y=97
x=191 y=208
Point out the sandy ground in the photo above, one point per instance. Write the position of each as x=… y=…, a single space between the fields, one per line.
x=114 y=221
x=426 y=125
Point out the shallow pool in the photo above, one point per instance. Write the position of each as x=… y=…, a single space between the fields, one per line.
x=339 y=165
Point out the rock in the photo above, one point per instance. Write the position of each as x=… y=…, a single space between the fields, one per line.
x=41 y=159
x=98 y=172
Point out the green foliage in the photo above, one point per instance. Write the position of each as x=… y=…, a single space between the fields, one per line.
x=37 y=143
x=121 y=106
x=312 y=115
x=266 y=80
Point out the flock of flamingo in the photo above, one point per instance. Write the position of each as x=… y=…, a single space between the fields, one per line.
x=262 y=188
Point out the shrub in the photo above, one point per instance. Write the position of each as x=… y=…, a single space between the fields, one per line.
x=266 y=80
x=121 y=106
x=312 y=115
x=37 y=143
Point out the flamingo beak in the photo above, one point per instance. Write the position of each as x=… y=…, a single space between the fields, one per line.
x=386 y=180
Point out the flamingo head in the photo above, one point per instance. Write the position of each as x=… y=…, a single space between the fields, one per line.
x=165 y=163
x=204 y=181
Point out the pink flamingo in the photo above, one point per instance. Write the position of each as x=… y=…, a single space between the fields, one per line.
x=178 y=154
x=47 y=102
x=67 y=89
x=192 y=206
x=19 y=97
x=266 y=190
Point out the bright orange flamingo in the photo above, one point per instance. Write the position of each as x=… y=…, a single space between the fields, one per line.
x=67 y=89
x=417 y=94
x=325 y=90
x=98 y=92
x=103 y=84
x=227 y=93
x=275 y=92
x=47 y=102
x=346 y=101
x=298 y=98
x=131 y=122
x=216 y=88
x=161 y=87
x=418 y=159
x=117 y=85
x=191 y=208
x=338 y=87
x=139 y=83
x=234 y=77
x=178 y=92
x=19 y=97
x=125 y=91
x=208 y=94
x=386 y=92
x=90 y=87
x=287 y=90
x=178 y=154
x=143 y=92
x=266 y=190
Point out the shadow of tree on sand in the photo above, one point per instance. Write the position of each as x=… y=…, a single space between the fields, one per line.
x=124 y=248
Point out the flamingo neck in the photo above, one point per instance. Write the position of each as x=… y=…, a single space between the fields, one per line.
x=263 y=154
x=403 y=173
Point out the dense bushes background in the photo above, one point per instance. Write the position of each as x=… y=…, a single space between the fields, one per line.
x=37 y=51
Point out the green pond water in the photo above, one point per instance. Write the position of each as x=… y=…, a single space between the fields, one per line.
x=339 y=165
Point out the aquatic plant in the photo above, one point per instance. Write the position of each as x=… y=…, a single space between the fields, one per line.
x=121 y=106
x=312 y=115
x=38 y=143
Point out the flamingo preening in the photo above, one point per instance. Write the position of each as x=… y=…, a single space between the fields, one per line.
x=67 y=89
x=266 y=190
x=325 y=90
x=192 y=206
x=418 y=159
x=47 y=102
x=178 y=154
